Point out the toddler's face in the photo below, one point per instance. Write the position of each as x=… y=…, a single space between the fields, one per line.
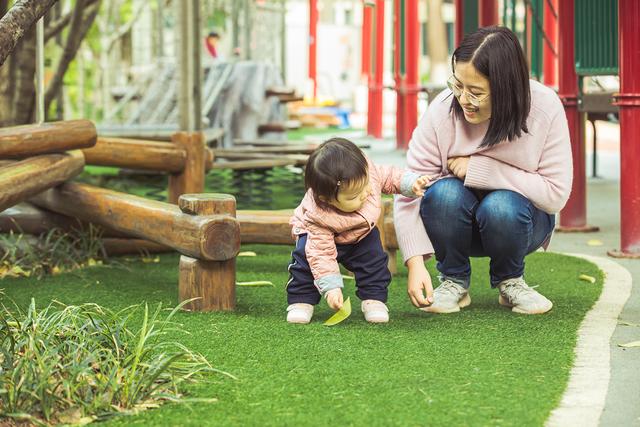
x=352 y=197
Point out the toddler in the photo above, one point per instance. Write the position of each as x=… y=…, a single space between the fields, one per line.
x=336 y=223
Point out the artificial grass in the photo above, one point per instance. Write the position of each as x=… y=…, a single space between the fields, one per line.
x=482 y=366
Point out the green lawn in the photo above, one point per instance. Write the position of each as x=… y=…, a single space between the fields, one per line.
x=483 y=366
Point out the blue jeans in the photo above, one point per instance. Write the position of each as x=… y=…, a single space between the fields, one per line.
x=462 y=222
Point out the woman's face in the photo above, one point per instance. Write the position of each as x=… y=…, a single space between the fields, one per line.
x=472 y=87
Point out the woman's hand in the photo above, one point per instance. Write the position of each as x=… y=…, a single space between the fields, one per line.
x=458 y=166
x=419 y=282
x=334 y=298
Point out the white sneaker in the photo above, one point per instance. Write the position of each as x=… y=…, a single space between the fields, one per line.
x=375 y=311
x=449 y=297
x=515 y=293
x=299 y=313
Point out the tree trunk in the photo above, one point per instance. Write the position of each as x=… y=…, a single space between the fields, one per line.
x=436 y=39
x=17 y=21
x=24 y=96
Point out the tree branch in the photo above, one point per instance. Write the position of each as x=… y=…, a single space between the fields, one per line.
x=17 y=20
x=77 y=32
x=55 y=27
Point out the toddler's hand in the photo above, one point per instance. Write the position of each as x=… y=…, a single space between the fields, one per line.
x=334 y=298
x=420 y=184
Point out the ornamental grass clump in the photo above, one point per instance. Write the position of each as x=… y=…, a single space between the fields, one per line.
x=53 y=252
x=75 y=364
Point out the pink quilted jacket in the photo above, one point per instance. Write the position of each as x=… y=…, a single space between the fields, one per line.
x=326 y=226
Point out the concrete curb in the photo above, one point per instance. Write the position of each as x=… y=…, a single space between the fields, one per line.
x=583 y=401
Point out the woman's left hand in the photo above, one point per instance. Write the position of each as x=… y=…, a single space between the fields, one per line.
x=458 y=166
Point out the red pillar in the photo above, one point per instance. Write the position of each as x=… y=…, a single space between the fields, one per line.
x=365 y=62
x=374 y=125
x=397 y=75
x=488 y=13
x=410 y=86
x=628 y=101
x=549 y=58
x=313 y=32
x=574 y=215
x=459 y=24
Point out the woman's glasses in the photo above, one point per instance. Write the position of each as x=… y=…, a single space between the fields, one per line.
x=458 y=90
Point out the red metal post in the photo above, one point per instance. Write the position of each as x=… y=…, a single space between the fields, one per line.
x=488 y=13
x=628 y=101
x=374 y=125
x=313 y=32
x=459 y=24
x=410 y=86
x=549 y=58
x=574 y=215
x=365 y=63
x=397 y=76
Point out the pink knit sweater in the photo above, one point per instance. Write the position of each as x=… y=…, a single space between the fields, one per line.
x=537 y=165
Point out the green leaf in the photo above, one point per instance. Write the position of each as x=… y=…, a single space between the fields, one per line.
x=587 y=278
x=256 y=283
x=341 y=314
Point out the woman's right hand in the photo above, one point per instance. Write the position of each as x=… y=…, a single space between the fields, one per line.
x=419 y=282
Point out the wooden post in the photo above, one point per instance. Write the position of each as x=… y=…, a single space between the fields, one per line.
x=191 y=178
x=212 y=282
x=26 y=178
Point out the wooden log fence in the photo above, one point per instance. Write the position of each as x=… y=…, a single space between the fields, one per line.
x=46 y=138
x=215 y=237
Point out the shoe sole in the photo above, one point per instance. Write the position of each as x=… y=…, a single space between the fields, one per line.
x=464 y=302
x=504 y=302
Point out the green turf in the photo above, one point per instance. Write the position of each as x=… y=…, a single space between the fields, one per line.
x=483 y=366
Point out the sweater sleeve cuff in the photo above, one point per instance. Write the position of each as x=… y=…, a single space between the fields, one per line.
x=326 y=283
x=406 y=183
x=478 y=172
x=412 y=245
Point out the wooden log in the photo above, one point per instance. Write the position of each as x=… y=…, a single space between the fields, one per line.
x=136 y=154
x=299 y=159
x=126 y=246
x=289 y=149
x=254 y=164
x=388 y=234
x=45 y=138
x=205 y=237
x=271 y=127
x=191 y=178
x=213 y=283
x=29 y=219
x=265 y=227
x=23 y=179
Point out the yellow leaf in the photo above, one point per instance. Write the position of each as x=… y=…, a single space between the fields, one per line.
x=247 y=253
x=595 y=242
x=256 y=283
x=56 y=270
x=148 y=259
x=341 y=314
x=587 y=278
x=17 y=271
x=91 y=262
x=630 y=344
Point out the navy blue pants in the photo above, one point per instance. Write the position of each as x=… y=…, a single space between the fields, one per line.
x=366 y=259
x=501 y=224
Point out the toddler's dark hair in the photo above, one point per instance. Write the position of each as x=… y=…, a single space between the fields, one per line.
x=335 y=163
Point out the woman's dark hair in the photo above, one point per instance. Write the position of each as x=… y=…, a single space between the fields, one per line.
x=496 y=53
x=336 y=162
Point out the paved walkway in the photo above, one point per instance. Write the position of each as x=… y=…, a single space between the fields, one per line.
x=622 y=407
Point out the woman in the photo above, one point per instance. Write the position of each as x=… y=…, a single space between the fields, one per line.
x=498 y=147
